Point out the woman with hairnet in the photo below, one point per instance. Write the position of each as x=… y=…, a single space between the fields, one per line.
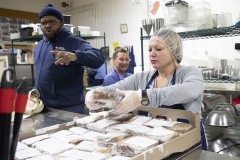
x=169 y=85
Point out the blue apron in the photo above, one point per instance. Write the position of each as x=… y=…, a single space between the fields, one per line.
x=180 y=106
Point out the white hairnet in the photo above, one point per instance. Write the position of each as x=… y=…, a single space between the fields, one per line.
x=172 y=40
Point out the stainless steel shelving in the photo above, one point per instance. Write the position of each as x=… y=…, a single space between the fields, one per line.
x=38 y=38
x=211 y=33
x=222 y=80
x=198 y=34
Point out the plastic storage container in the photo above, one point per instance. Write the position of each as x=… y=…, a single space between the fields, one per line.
x=176 y=13
x=176 y=16
x=25 y=32
x=200 y=16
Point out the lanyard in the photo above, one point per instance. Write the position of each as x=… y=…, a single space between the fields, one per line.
x=156 y=74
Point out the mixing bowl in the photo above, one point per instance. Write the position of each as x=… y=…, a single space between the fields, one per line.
x=220 y=144
x=220 y=118
x=232 y=151
x=226 y=107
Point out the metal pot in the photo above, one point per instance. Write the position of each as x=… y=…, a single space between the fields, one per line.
x=220 y=118
x=220 y=144
x=232 y=151
x=226 y=107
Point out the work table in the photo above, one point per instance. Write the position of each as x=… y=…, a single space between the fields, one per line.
x=52 y=117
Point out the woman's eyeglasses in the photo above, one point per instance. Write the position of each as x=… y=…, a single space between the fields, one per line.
x=49 y=22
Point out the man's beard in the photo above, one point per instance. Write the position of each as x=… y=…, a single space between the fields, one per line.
x=51 y=37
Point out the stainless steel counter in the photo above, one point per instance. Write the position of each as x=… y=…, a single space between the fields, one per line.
x=228 y=93
x=52 y=117
x=198 y=154
x=48 y=117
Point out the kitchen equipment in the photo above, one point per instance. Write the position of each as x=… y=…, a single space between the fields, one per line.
x=213 y=132
x=176 y=13
x=224 y=65
x=232 y=151
x=220 y=118
x=215 y=20
x=26 y=32
x=233 y=133
x=200 y=15
x=220 y=144
x=20 y=106
x=147 y=25
x=237 y=63
x=207 y=73
x=235 y=73
x=225 y=19
x=226 y=107
x=84 y=30
x=7 y=96
x=158 y=23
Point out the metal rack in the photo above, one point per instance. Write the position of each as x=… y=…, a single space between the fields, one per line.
x=198 y=34
x=222 y=80
x=38 y=38
x=211 y=33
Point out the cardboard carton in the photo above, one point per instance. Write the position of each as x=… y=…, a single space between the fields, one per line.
x=178 y=144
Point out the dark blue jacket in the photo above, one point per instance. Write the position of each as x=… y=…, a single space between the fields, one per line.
x=62 y=85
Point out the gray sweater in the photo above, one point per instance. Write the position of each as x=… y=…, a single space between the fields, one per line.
x=188 y=88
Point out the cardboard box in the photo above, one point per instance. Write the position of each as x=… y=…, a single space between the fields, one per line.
x=178 y=144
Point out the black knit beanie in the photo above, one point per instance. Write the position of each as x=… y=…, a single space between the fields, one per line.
x=49 y=10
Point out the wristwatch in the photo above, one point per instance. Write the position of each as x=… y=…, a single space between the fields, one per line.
x=145 y=100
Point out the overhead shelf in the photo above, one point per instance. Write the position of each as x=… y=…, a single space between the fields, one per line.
x=39 y=37
x=198 y=34
x=207 y=33
x=230 y=80
x=211 y=33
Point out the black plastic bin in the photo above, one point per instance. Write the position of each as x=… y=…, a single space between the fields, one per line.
x=25 y=32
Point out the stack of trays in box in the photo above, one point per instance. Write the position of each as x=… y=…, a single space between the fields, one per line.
x=105 y=136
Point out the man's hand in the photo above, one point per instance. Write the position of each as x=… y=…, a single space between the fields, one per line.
x=63 y=57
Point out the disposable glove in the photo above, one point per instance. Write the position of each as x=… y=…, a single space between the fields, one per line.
x=131 y=101
x=99 y=99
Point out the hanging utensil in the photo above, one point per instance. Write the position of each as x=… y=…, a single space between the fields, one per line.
x=7 y=96
x=20 y=106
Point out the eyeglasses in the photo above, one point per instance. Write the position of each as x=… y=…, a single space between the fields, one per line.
x=49 y=22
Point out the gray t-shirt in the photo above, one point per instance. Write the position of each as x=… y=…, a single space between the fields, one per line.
x=188 y=88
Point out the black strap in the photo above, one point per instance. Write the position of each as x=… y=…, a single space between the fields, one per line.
x=156 y=74
x=175 y=106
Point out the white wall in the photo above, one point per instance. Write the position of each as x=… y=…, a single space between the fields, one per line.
x=107 y=15
x=31 y=5
x=208 y=52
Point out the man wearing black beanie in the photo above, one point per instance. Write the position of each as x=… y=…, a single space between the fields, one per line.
x=59 y=60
